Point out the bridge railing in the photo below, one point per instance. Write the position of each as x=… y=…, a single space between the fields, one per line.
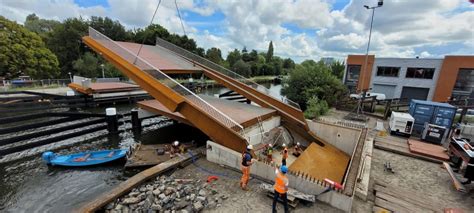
x=164 y=79
x=198 y=59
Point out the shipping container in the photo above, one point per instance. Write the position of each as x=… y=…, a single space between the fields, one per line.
x=441 y=114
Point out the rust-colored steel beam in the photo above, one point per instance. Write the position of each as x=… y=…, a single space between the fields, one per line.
x=172 y=100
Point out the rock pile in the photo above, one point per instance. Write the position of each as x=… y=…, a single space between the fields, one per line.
x=167 y=194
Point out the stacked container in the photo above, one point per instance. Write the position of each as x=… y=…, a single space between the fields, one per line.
x=441 y=114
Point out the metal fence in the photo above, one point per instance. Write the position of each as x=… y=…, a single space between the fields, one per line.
x=164 y=79
x=342 y=122
x=198 y=59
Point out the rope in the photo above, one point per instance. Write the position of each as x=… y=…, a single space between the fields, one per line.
x=179 y=15
x=193 y=158
x=144 y=37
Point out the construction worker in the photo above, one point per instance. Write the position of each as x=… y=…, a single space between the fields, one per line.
x=269 y=152
x=284 y=155
x=247 y=161
x=280 y=187
x=297 y=152
x=174 y=149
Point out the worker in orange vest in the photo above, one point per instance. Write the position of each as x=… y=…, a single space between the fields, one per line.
x=247 y=161
x=284 y=155
x=281 y=188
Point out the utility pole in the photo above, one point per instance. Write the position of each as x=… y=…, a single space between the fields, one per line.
x=364 y=91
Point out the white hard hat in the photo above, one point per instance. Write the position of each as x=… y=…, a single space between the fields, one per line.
x=284 y=145
x=270 y=145
x=176 y=143
x=298 y=143
x=250 y=147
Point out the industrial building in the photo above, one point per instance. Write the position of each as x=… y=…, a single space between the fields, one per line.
x=412 y=78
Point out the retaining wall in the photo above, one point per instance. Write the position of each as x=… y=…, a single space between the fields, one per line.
x=222 y=155
x=343 y=138
x=253 y=133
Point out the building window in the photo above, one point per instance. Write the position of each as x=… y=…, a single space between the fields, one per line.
x=388 y=71
x=353 y=72
x=426 y=73
x=464 y=85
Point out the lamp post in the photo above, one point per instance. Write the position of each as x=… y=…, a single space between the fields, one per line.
x=364 y=91
x=70 y=76
x=103 y=73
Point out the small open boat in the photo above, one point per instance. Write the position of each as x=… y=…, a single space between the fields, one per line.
x=84 y=158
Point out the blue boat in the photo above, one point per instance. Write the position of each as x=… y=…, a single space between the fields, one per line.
x=84 y=158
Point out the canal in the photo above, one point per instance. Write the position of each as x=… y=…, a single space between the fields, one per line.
x=28 y=185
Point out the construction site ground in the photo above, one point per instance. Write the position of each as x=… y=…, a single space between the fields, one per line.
x=254 y=200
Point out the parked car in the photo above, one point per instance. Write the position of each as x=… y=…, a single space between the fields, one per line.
x=378 y=96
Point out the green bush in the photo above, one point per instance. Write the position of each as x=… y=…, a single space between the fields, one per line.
x=315 y=108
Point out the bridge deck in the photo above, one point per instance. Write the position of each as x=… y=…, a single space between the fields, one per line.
x=244 y=114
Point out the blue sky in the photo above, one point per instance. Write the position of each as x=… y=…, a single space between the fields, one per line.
x=299 y=29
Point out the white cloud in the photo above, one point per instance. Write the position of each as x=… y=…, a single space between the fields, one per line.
x=402 y=28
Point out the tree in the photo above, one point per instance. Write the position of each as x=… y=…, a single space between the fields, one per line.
x=40 y=26
x=214 y=55
x=288 y=64
x=241 y=68
x=23 y=52
x=277 y=64
x=269 y=52
x=112 y=29
x=66 y=42
x=311 y=79
x=337 y=68
x=233 y=57
x=150 y=33
x=316 y=107
x=87 y=65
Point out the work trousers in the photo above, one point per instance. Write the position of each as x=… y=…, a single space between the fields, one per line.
x=275 y=200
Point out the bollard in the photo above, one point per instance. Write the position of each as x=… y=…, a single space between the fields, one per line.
x=112 y=120
x=136 y=122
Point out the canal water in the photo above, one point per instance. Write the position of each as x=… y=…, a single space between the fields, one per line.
x=28 y=185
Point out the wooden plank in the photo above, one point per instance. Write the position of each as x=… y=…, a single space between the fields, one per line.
x=378 y=209
x=457 y=184
x=390 y=206
x=132 y=182
x=409 y=196
x=403 y=151
x=398 y=200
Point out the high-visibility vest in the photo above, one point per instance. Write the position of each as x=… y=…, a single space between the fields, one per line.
x=280 y=181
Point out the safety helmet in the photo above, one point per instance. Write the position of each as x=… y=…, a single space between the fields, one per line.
x=298 y=143
x=284 y=145
x=250 y=147
x=270 y=145
x=176 y=143
x=284 y=169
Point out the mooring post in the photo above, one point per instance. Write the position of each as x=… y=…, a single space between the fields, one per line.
x=136 y=122
x=112 y=120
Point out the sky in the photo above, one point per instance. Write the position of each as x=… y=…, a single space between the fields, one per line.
x=299 y=29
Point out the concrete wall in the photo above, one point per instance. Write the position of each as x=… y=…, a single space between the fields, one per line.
x=343 y=138
x=253 y=133
x=225 y=156
x=401 y=81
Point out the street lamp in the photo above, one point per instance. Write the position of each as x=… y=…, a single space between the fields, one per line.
x=70 y=76
x=103 y=73
x=364 y=91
